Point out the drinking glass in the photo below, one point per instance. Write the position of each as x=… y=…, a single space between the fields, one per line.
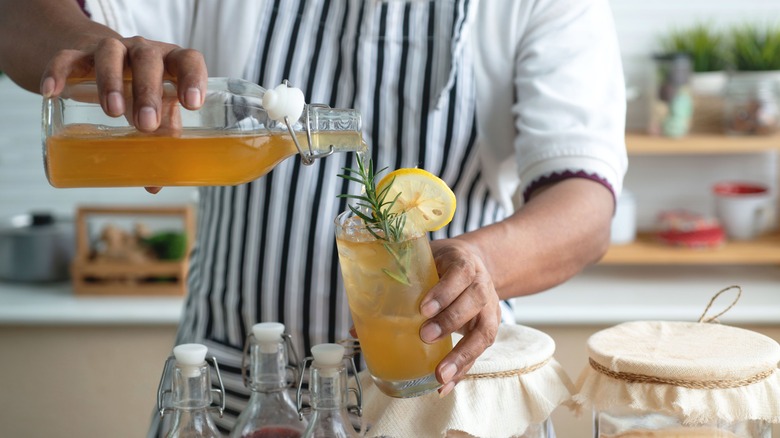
x=385 y=283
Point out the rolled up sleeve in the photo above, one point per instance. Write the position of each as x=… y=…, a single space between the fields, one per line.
x=570 y=104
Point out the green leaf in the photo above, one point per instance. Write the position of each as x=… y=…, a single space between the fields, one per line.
x=401 y=278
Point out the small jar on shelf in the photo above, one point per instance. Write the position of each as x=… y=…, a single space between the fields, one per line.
x=752 y=103
x=671 y=105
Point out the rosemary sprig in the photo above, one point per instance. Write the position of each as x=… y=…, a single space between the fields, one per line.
x=376 y=212
x=373 y=207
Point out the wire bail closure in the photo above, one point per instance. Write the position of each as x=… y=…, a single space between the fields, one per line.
x=307 y=157
x=161 y=393
x=357 y=408
x=292 y=355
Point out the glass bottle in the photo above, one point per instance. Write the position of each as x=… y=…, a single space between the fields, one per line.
x=329 y=393
x=232 y=139
x=270 y=412
x=191 y=393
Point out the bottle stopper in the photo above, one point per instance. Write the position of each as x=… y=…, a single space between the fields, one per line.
x=268 y=335
x=327 y=354
x=284 y=101
x=190 y=357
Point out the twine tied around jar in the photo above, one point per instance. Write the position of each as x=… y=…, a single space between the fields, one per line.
x=691 y=384
x=507 y=373
x=712 y=301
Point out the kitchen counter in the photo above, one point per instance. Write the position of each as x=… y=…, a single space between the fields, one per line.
x=614 y=294
x=601 y=295
x=55 y=304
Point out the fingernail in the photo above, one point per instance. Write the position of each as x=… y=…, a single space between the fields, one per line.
x=447 y=372
x=115 y=103
x=192 y=97
x=147 y=118
x=446 y=389
x=430 y=308
x=430 y=332
x=47 y=87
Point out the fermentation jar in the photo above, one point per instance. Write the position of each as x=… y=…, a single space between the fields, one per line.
x=681 y=379
x=752 y=103
x=510 y=391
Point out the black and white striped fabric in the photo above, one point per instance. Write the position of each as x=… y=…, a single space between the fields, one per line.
x=266 y=250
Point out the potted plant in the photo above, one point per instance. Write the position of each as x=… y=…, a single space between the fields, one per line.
x=707 y=49
x=753 y=90
x=756 y=48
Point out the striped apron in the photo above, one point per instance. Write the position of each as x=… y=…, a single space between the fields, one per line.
x=266 y=250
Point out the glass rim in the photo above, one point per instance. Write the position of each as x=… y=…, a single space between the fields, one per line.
x=340 y=226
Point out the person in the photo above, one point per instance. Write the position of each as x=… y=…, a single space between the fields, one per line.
x=519 y=106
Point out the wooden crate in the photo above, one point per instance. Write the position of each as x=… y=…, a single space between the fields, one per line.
x=111 y=278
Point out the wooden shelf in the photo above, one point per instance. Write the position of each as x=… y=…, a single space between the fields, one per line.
x=645 y=250
x=643 y=144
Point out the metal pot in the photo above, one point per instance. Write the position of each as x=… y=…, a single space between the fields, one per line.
x=36 y=247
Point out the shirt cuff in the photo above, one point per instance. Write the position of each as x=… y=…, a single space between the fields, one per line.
x=566 y=174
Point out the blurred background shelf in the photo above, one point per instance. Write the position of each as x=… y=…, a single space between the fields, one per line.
x=643 y=144
x=645 y=250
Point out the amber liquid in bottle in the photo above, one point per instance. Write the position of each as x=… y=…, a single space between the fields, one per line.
x=82 y=156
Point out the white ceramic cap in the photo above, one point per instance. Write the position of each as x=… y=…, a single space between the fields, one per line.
x=268 y=331
x=190 y=354
x=284 y=101
x=327 y=354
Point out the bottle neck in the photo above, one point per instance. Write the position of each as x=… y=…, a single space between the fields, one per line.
x=268 y=367
x=331 y=127
x=328 y=388
x=191 y=387
x=191 y=400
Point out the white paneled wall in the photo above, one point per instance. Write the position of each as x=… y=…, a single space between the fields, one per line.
x=658 y=182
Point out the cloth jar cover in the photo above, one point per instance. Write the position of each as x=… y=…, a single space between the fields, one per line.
x=513 y=384
x=698 y=372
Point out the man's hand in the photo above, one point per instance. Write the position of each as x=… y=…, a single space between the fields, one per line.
x=464 y=300
x=110 y=60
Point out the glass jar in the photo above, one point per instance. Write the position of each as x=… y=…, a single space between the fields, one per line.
x=752 y=103
x=672 y=379
x=509 y=392
x=610 y=424
x=671 y=104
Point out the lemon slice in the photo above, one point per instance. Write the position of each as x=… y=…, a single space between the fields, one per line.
x=427 y=200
